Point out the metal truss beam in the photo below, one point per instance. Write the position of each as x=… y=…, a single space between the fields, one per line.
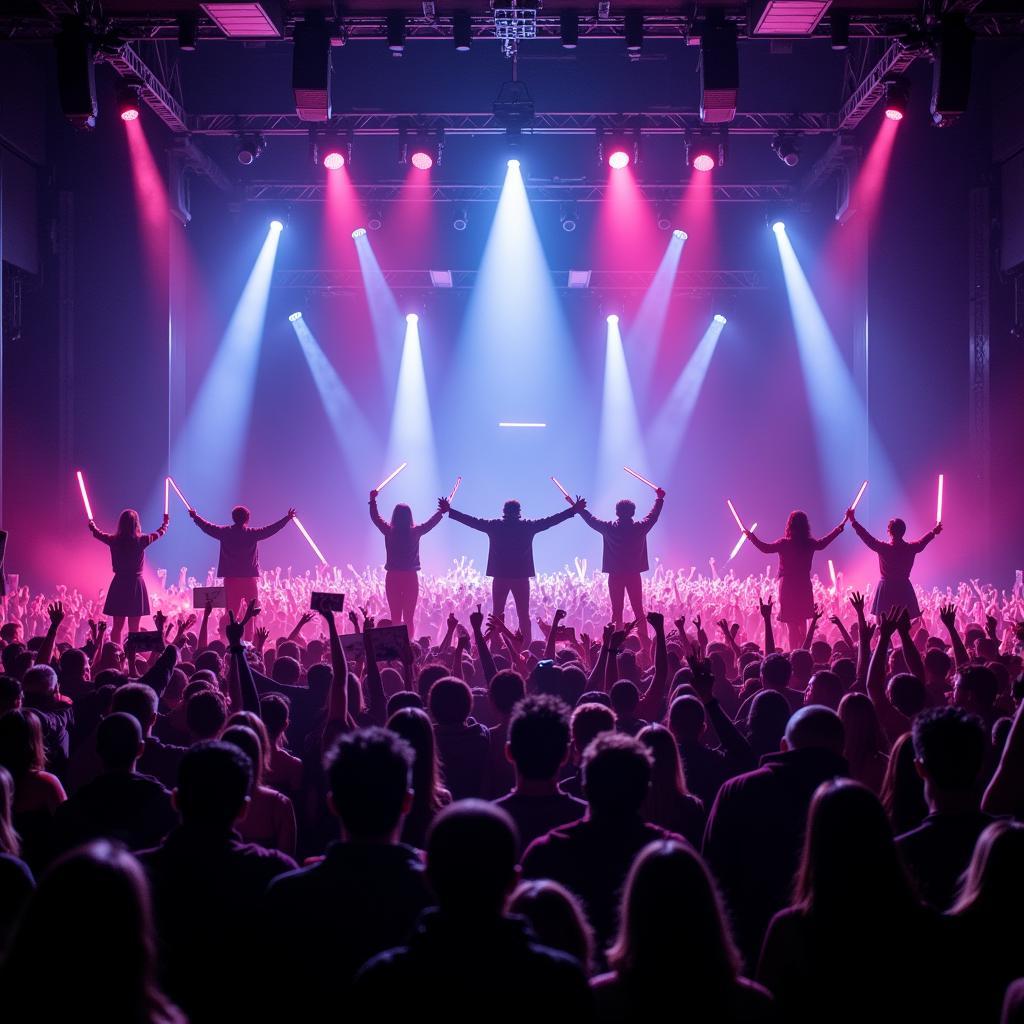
x=896 y=59
x=647 y=123
x=131 y=67
x=686 y=282
x=539 y=192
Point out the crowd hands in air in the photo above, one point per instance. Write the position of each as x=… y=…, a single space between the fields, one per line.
x=688 y=813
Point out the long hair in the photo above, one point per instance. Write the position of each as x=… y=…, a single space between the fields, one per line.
x=429 y=794
x=668 y=780
x=992 y=884
x=10 y=841
x=902 y=788
x=254 y=722
x=850 y=870
x=860 y=726
x=248 y=741
x=673 y=932
x=401 y=517
x=556 y=917
x=21 y=743
x=128 y=524
x=798 y=526
x=90 y=914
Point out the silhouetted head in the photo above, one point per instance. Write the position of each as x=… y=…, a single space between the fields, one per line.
x=815 y=727
x=401 y=517
x=992 y=883
x=512 y=509
x=556 y=918
x=119 y=741
x=538 y=736
x=616 y=775
x=239 y=515
x=21 y=743
x=128 y=524
x=625 y=509
x=798 y=526
x=897 y=528
x=214 y=780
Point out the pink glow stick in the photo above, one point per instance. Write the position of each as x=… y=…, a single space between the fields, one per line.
x=85 y=496
x=177 y=491
x=167 y=497
x=860 y=494
x=312 y=544
x=568 y=496
x=642 y=479
x=743 y=537
x=735 y=515
x=455 y=489
x=832 y=574
x=938 y=510
x=380 y=487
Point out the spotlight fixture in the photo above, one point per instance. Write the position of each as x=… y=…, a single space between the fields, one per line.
x=719 y=319
x=376 y=219
x=704 y=154
x=785 y=148
x=897 y=95
x=411 y=318
x=423 y=152
x=293 y=317
x=277 y=225
x=634 y=31
x=128 y=102
x=613 y=319
x=569 y=215
x=513 y=164
x=396 y=34
x=250 y=149
x=618 y=151
x=359 y=233
x=462 y=31
x=569 y=24
x=664 y=219
x=334 y=160
x=188 y=31
x=680 y=235
x=779 y=227
x=461 y=219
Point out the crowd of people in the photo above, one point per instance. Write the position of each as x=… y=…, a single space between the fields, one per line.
x=257 y=817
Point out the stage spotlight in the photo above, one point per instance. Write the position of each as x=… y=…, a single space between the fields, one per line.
x=617 y=149
x=250 y=149
x=513 y=164
x=778 y=227
x=897 y=93
x=618 y=159
x=396 y=34
x=664 y=219
x=277 y=225
x=719 y=319
x=461 y=219
x=462 y=31
x=569 y=22
x=334 y=160
x=411 y=318
x=188 y=31
x=784 y=147
x=569 y=215
x=680 y=234
x=634 y=31
x=613 y=319
x=128 y=102
x=359 y=233
x=702 y=154
x=423 y=152
x=376 y=219
x=294 y=316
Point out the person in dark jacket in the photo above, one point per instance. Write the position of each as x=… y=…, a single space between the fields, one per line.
x=468 y=958
x=401 y=570
x=365 y=896
x=755 y=830
x=625 y=557
x=510 y=556
x=463 y=744
x=239 y=563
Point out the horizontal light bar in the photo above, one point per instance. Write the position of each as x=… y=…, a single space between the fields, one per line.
x=509 y=423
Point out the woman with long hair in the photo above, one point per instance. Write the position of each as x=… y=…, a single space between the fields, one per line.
x=796 y=550
x=902 y=791
x=402 y=567
x=16 y=881
x=856 y=943
x=864 y=749
x=556 y=917
x=668 y=802
x=429 y=793
x=127 y=597
x=84 y=949
x=674 y=947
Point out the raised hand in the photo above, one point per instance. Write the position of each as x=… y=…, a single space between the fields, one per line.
x=857 y=600
x=657 y=621
x=660 y=493
x=305 y=618
x=444 y=505
x=887 y=623
x=476 y=619
x=680 y=625
x=903 y=622
x=560 y=613
x=452 y=622
x=703 y=680
x=849 y=517
x=606 y=634
x=160 y=621
x=937 y=529
x=373 y=494
x=261 y=635
x=291 y=513
x=234 y=631
x=56 y=613
x=579 y=504
x=947 y=616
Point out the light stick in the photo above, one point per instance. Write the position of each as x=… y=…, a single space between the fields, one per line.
x=860 y=494
x=741 y=542
x=312 y=544
x=735 y=515
x=832 y=574
x=938 y=510
x=388 y=479
x=85 y=496
x=642 y=479
x=568 y=496
x=167 y=497
x=177 y=491
x=458 y=484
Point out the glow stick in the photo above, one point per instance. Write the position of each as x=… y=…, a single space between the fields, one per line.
x=741 y=542
x=316 y=550
x=832 y=573
x=938 y=511
x=85 y=497
x=177 y=491
x=642 y=479
x=860 y=494
x=458 y=484
x=167 y=496
x=735 y=515
x=568 y=496
x=388 y=479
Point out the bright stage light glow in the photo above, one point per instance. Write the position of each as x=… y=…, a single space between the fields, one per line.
x=359 y=233
x=411 y=318
x=703 y=162
x=389 y=323
x=618 y=159
x=613 y=319
x=513 y=163
x=778 y=227
x=513 y=423
x=334 y=160
x=294 y=316
x=680 y=235
x=422 y=160
x=130 y=114
x=276 y=225
x=893 y=114
x=719 y=319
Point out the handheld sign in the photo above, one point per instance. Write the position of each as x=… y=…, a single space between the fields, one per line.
x=215 y=595
x=322 y=601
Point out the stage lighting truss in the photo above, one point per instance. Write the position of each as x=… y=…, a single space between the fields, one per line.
x=128 y=105
x=250 y=149
x=897 y=97
x=421 y=149
x=569 y=215
x=705 y=152
x=326 y=147
x=785 y=148
x=611 y=145
x=518 y=22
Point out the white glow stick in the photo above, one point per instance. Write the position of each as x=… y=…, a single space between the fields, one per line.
x=167 y=497
x=85 y=496
x=316 y=550
x=832 y=574
x=458 y=484
x=938 y=510
x=735 y=515
x=380 y=487
x=642 y=479
x=177 y=491
x=743 y=538
x=860 y=494
x=568 y=496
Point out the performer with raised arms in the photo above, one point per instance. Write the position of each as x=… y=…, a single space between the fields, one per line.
x=510 y=558
x=796 y=553
x=401 y=570
x=239 y=563
x=127 y=597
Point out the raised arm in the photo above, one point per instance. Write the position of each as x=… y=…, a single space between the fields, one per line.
x=45 y=651
x=244 y=695
x=337 y=698
x=864 y=634
x=375 y=514
x=812 y=627
x=204 y=627
x=600 y=525
x=872 y=542
x=652 y=703
x=920 y=544
x=425 y=527
x=549 y=648
x=483 y=652
x=765 y=608
x=654 y=515
x=151 y=538
x=210 y=529
x=540 y=525
x=376 y=702
x=1005 y=793
x=947 y=615
x=103 y=538
x=911 y=655
x=823 y=542
x=263 y=532
x=483 y=525
x=764 y=546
